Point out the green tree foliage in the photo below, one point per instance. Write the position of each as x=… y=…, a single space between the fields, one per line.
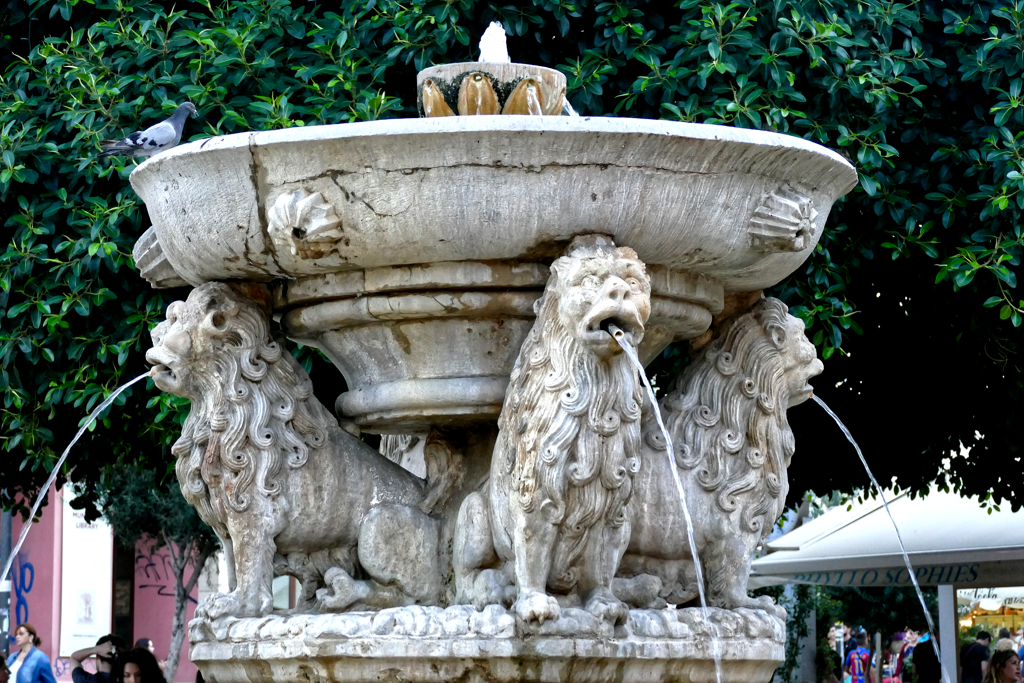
x=139 y=505
x=925 y=98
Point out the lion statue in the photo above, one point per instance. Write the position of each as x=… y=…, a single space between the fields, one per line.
x=733 y=444
x=552 y=518
x=283 y=486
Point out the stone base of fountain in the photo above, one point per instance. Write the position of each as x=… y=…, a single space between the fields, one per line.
x=461 y=644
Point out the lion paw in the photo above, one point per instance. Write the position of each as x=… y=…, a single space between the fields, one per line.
x=536 y=606
x=768 y=605
x=491 y=587
x=344 y=591
x=643 y=591
x=229 y=605
x=605 y=606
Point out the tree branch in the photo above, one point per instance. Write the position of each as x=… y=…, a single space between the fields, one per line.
x=208 y=548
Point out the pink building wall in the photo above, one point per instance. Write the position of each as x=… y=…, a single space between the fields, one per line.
x=36 y=591
x=154 y=605
x=35 y=580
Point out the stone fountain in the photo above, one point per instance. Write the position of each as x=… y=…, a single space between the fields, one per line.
x=465 y=272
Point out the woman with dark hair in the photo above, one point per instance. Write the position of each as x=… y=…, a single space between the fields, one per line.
x=29 y=664
x=137 y=666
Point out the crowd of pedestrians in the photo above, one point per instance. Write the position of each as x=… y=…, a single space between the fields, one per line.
x=909 y=657
x=114 y=661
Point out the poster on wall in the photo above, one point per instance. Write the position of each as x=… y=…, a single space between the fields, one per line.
x=87 y=577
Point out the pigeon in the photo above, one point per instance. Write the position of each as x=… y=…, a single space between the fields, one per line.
x=156 y=138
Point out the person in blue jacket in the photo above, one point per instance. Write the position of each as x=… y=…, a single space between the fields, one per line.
x=29 y=664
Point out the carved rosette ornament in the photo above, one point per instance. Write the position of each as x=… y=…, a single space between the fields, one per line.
x=784 y=221
x=305 y=224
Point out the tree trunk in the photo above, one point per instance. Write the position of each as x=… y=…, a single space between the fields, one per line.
x=198 y=552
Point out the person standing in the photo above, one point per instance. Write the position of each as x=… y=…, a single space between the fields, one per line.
x=106 y=649
x=909 y=641
x=147 y=644
x=925 y=662
x=974 y=658
x=858 y=661
x=29 y=664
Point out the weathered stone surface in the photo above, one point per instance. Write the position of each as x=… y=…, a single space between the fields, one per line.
x=460 y=643
x=416 y=255
x=391 y=332
x=283 y=486
x=552 y=519
x=733 y=445
x=482 y=188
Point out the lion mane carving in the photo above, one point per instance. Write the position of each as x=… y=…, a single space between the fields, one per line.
x=733 y=445
x=269 y=469
x=553 y=516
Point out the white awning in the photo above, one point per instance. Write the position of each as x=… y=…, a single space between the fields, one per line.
x=992 y=599
x=950 y=540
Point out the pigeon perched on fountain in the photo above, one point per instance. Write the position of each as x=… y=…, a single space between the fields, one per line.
x=155 y=139
x=493 y=46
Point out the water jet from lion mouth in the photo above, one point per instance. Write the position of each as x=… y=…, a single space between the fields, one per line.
x=620 y=336
x=45 y=489
x=613 y=327
x=899 y=539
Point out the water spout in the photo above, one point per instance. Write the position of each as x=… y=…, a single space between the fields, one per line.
x=628 y=349
x=56 y=470
x=493 y=45
x=899 y=539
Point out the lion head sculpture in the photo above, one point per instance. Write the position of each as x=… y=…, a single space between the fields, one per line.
x=727 y=416
x=571 y=417
x=251 y=411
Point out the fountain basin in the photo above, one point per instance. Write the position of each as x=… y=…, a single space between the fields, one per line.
x=411 y=251
x=685 y=196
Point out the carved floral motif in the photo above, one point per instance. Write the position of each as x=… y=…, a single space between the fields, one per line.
x=783 y=222
x=305 y=224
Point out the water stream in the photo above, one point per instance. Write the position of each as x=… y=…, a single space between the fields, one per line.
x=899 y=539
x=619 y=336
x=56 y=470
x=567 y=109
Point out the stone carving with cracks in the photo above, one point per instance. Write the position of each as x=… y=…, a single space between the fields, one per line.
x=283 y=486
x=546 y=538
x=733 y=445
x=552 y=519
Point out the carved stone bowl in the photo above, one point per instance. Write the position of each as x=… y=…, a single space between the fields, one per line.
x=435 y=645
x=411 y=251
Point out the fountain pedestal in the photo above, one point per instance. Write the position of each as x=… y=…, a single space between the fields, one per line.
x=437 y=645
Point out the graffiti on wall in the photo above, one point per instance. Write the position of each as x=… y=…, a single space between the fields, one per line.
x=22 y=580
x=154 y=571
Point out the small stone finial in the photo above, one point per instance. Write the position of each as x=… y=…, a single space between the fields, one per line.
x=493 y=47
